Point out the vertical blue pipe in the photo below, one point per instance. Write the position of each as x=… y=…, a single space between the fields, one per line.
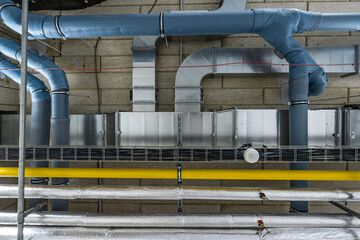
x=298 y=130
x=40 y=116
x=60 y=133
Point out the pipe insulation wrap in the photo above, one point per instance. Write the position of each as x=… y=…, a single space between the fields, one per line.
x=184 y=193
x=59 y=233
x=185 y=221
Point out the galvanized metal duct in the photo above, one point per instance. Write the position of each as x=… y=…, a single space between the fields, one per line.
x=243 y=61
x=184 y=221
x=144 y=54
x=183 y=193
x=143 y=79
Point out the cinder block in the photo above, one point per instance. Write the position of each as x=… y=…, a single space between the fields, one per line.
x=298 y=5
x=167 y=63
x=115 y=47
x=210 y=107
x=252 y=41
x=83 y=110
x=272 y=96
x=9 y=96
x=55 y=43
x=165 y=108
x=159 y=208
x=330 y=41
x=90 y=206
x=81 y=81
x=159 y=8
x=324 y=208
x=165 y=96
x=191 y=46
x=198 y=183
x=334 y=7
x=116 y=64
x=165 y=79
x=9 y=83
x=115 y=80
x=114 y=108
x=115 y=96
x=201 y=209
x=103 y=10
x=249 y=81
x=8 y=204
x=201 y=7
x=233 y=96
x=332 y=93
x=77 y=47
x=116 y=207
x=254 y=208
x=135 y=2
x=173 y=47
x=158 y=182
x=354 y=91
x=83 y=97
x=90 y=64
x=69 y=65
x=335 y=81
x=201 y=1
x=9 y=108
x=212 y=82
x=121 y=182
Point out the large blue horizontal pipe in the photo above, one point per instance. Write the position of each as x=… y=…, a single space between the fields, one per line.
x=40 y=115
x=60 y=130
x=276 y=26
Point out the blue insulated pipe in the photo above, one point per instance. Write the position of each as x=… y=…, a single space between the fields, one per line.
x=40 y=115
x=60 y=122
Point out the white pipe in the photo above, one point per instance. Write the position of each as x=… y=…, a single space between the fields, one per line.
x=175 y=193
x=62 y=219
x=40 y=233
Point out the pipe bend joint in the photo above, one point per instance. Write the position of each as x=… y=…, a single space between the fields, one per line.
x=318 y=81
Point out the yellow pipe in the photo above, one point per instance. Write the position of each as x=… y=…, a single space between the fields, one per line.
x=226 y=174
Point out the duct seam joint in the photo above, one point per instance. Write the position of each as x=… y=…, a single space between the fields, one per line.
x=162 y=30
x=41 y=90
x=65 y=91
x=57 y=26
x=298 y=102
x=7 y=5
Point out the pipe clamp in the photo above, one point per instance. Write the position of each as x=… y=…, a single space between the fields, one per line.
x=7 y=5
x=57 y=26
x=162 y=30
x=298 y=102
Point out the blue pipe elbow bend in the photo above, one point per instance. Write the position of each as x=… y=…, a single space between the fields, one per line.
x=276 y=26
x=36 y=87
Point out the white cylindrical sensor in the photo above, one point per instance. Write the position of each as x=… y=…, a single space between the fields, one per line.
x=251 y=155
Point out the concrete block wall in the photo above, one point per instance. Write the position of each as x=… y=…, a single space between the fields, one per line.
x=220 y=92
